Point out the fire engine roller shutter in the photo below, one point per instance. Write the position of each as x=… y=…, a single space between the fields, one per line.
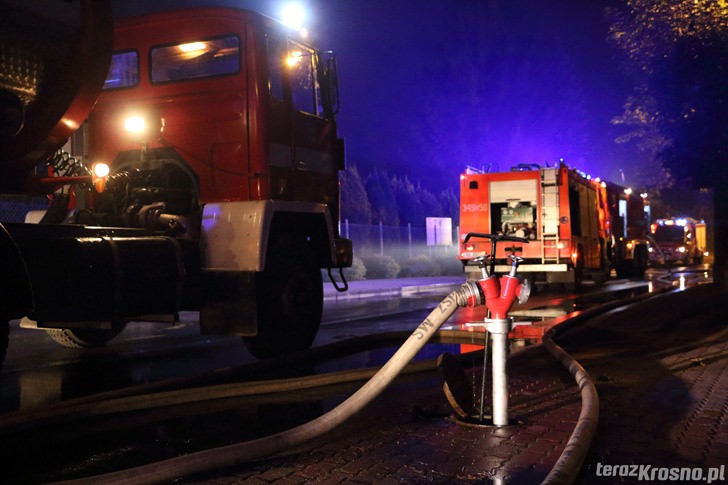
x=523 y=190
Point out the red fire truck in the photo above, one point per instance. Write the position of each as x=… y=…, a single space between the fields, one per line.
x=574 y=224
x=218 y=127
x=676 y=240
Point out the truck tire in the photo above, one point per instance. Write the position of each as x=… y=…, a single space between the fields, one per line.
x=289 y=298
x=641 y=258
x=578 y=271
x=624 y=268
x=81 y=338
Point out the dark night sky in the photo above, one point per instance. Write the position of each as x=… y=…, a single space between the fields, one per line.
x=430 y=86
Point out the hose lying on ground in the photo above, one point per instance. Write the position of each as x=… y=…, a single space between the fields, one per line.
x=569 y=464
x=572 y=458
x=231 y=455
x=82 y=412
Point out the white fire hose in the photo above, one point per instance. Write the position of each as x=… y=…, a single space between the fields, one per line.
x=236 y=454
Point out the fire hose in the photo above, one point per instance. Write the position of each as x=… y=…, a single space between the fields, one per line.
x=498 y=295
x=468 y=294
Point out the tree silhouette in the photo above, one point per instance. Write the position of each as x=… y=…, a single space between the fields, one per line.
x=408 y=202
x=678 y=50
x=381 y=196
x=354 y=200
x=450 y=205
x=431 y=205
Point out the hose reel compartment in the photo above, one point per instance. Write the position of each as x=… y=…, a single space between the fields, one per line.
x=91 y=274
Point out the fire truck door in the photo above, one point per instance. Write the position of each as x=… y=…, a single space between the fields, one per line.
x=593 y=249
x=280 y=137
x=314 y=166
x=302 y=166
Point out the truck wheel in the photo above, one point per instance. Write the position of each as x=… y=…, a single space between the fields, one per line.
x=625 y=269
x=289 y=297
x=640 y=261
x=80 y=338
x=578 y=271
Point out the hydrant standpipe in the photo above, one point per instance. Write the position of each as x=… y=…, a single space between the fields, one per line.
x=500 y=295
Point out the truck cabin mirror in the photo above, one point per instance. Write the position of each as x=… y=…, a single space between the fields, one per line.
x=330 y=81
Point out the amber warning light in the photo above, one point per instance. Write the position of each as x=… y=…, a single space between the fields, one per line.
x=99 y=175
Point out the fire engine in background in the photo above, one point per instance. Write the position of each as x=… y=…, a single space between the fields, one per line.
x=575 y=225
x=218 y=127
x=677 y=240
x=626 y=226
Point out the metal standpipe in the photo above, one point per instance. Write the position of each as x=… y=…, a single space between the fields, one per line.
x=499 y=329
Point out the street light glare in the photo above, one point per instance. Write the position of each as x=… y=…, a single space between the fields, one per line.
x=293 y=16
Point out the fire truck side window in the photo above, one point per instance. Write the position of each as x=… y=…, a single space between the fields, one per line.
x=276 y=59
x=304 y=84
x=193 y=60
x=123 y=71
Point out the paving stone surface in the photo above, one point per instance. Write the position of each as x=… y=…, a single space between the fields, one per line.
x=661 y=371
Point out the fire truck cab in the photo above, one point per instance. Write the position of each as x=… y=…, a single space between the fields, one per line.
x=677 y=240
x=223 y=194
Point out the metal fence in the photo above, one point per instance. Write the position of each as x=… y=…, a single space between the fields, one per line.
x=405 y=250
x=407 y=245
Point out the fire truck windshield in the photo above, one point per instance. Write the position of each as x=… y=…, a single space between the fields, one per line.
x=191 y=60
x=670 y=234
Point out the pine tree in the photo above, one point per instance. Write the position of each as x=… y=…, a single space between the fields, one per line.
x=354 y=200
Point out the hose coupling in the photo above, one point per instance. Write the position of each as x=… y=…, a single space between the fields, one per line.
x=469 y=294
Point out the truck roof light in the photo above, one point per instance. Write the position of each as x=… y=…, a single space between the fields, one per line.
x=293 y=15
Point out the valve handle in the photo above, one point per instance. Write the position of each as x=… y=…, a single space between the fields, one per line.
x=515 y=261
x=494 y=237
x=482 y=262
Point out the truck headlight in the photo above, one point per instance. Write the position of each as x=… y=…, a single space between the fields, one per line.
x=135 y=125
x=143 y=128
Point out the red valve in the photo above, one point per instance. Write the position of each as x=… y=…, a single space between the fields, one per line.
x=500 y=294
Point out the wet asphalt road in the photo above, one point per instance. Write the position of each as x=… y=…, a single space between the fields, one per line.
x=38 y=371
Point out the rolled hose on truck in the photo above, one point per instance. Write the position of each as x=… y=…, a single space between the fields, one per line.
x=231 y=455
